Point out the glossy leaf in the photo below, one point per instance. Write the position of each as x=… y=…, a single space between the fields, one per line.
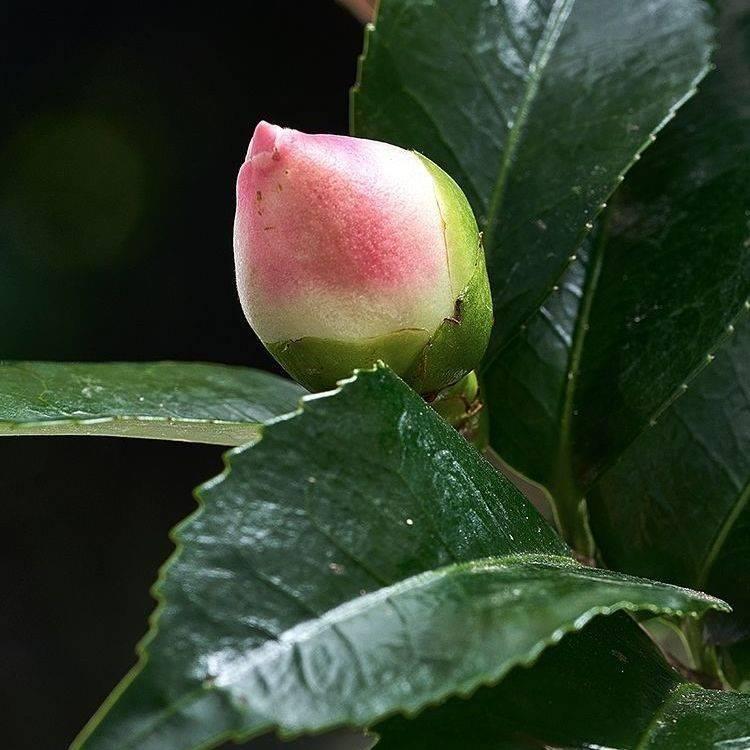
x=529 y=390
x=694 y=719
x=648 y=302
x=329 y=582
x=675 y=506
x=604 y=687
x=535 y=108
x=166 y=400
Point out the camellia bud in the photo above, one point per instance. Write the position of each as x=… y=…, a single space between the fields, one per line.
x=349 y=251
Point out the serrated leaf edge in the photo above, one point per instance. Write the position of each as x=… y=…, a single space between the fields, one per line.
x=494 y=352
x=174 y=536
x=464 y=691
x=78 y=428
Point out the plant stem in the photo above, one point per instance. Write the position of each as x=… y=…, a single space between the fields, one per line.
x=571 y=513
x=461 y=406
x=708 y=670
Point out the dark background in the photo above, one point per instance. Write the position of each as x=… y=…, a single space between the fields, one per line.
x=122 y=130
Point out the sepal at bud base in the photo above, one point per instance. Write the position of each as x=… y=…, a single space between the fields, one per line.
x=458 y=344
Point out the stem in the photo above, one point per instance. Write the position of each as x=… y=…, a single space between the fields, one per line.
x=461 y=406
x=571 y=516
x=569 y=501
x=708 y=670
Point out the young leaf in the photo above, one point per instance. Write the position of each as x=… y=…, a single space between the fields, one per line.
x=536 y=109
x=648 y=301
x=328 y=582
x=166 y=400
x=603 y=687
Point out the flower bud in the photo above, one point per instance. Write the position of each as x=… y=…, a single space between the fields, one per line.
x=349 y=251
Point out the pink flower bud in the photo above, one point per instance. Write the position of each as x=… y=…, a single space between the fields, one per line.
x=348 y=251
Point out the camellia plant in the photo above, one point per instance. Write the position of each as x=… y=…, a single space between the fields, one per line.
x=529 y=266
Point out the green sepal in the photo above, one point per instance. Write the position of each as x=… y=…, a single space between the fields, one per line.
x=427 y=364
x=457 y=346
x=318 y=363
x=460 y=341
x=462 y=238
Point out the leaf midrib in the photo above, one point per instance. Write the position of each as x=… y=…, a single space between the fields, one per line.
x=539 y=60
x=352 y=607
x=721 y=535
x=104 y=426
x=562 y=476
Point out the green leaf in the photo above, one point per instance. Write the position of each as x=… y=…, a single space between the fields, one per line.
x=676 y=505
x=166 y=400
x=417 y=572
x=536 y=109
x=603 y=687
x=694 y=719
x=647 y=304
x=529 y=390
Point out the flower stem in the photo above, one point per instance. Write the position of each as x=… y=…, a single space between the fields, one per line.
x=707 y=669
x=461 y=406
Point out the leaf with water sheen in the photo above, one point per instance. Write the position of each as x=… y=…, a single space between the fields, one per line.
x=328 y=581
x=195 y=402
x=647 y=304
x=535 y=108
x=675 y=506
x=604 y=687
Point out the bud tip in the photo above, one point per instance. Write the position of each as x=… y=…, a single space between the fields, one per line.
x=264 y=139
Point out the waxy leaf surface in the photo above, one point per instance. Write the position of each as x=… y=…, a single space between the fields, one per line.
x=328 y=582
x=536 y=109
x=648 y=304
x=606 y=686
x=196 y=402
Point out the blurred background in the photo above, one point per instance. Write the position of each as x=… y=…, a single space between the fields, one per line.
x=122 y=130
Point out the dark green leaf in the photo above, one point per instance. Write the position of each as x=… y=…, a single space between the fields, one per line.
x=695 y=719
x=329 y=581
x=675 y=506
x=604 y=687
x=535 y=108
x=648 y=303
x=530 y=388
x=167 y=400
